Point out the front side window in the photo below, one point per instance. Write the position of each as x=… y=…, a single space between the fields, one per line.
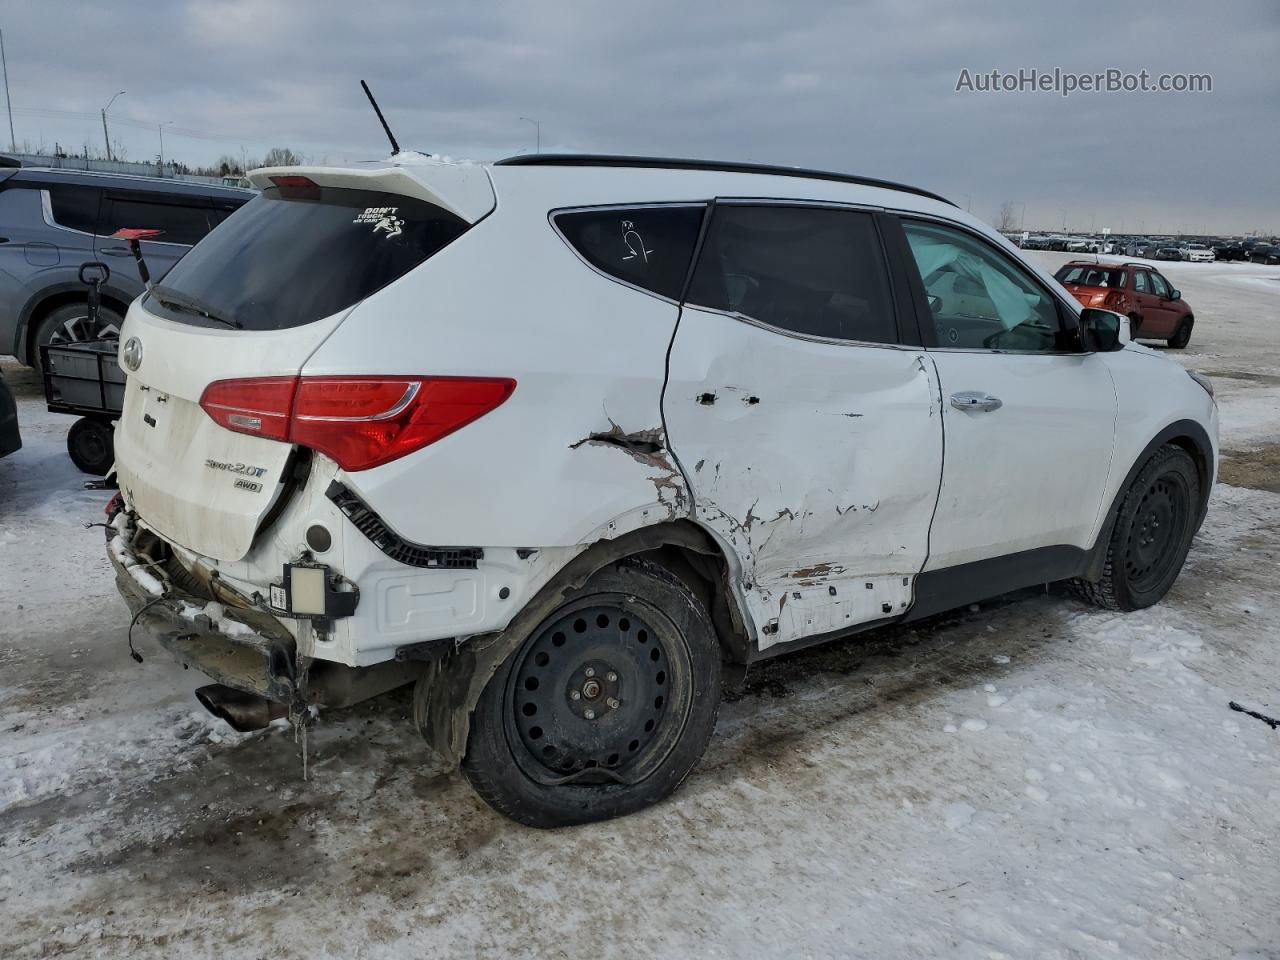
x=978 y=299
x=649 y=247
x=293 y=256
x=809 y=270
x=1158 y=286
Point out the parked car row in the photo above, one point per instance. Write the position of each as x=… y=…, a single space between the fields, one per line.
x=1159 y=248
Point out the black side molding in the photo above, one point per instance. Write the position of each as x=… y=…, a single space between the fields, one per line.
x=939 y=590
x=363 y=517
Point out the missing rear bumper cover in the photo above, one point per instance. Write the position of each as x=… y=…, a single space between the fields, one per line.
x=395 y=546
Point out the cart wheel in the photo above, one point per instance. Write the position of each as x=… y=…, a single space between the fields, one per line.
x=91 y=444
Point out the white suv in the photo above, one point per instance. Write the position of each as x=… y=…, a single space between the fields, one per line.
x=558 y=437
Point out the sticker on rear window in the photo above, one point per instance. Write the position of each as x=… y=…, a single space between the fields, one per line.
x=383 y=219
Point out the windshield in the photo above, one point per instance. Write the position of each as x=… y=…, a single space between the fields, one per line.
x=292 y=256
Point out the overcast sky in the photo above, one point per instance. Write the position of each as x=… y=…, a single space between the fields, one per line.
x=866 y=88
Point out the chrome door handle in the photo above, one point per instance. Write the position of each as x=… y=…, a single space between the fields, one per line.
x=975 y=400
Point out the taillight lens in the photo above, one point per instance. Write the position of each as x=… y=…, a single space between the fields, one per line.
x=259 y=407
x=361 y=422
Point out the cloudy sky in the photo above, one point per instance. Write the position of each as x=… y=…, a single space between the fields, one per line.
x=861 y=87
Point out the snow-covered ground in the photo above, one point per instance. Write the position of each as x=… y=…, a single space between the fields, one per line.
x=1030 y=779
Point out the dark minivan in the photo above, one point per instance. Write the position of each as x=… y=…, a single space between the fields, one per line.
x=52 y=221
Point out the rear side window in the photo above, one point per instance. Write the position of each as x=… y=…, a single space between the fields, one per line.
x=75 y=208
x=1087 y=276
x=649 y=247
x=288 y=258
x=178 y=223
x=814 y=271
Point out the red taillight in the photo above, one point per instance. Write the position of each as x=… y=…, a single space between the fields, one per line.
x=361 y=422
x=259 y=407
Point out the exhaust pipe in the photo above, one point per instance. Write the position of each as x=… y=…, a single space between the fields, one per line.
x=242 y=711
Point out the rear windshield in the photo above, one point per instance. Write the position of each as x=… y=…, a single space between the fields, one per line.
x=1091 y=276
x=292 y=256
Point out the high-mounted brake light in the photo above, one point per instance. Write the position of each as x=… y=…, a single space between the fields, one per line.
x=361 y=422
x=292 y=181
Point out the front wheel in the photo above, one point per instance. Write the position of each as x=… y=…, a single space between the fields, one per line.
x=1182 y=336
x=1151 y=536
x=605 y=707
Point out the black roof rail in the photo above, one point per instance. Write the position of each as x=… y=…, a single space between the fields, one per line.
x=675 y=163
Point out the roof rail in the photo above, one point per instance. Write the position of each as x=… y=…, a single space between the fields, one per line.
x=673 y=163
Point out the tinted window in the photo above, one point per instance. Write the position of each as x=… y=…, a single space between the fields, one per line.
x=178 y=223
x=287 y=258
x=75 y=207
x=977 y=297
x=813 y=271
x=1091 y=276
x=647 y=246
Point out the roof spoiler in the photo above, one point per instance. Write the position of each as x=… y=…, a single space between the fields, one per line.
x=461 y=188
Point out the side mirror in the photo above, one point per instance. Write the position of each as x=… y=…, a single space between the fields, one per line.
x=1103 y=331
x=1175 y=294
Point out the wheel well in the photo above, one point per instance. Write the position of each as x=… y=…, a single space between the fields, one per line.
x=53 y=302
x=707 y=575
x=1201 y=460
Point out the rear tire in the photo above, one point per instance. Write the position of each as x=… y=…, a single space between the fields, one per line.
x=1151 y=536
x=91 y=445
x=1182 y=336
x=69 y=324
x=638 y=649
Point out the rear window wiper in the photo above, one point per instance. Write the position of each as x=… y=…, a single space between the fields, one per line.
x=172 y=299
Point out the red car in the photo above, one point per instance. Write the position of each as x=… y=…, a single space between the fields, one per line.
x=1155 y=308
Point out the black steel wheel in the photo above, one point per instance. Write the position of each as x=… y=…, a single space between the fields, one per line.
x=604 y=708
x=1152 y=534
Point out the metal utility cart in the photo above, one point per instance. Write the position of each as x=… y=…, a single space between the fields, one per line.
x=84 y=378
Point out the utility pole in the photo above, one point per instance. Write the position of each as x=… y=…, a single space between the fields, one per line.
x=13 y=141
x=537 y=125
x=105 y=137
x=161 y=129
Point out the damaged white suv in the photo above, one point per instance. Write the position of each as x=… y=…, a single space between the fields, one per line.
x=560 y=438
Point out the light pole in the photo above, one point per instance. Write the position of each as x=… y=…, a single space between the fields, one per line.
x=105 y=137
x=1022 y=215
x=162 y=125
x=13 y=143
x=537 y=126
x=966 y=200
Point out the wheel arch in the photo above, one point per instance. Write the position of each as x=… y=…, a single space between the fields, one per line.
x=1191 y=437
x=50 y=299
x=451 y=683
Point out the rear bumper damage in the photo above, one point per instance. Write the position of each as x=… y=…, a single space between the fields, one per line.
x=239 y=646
x=242 y=648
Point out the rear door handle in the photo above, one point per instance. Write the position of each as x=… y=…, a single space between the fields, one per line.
x=975 y=400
